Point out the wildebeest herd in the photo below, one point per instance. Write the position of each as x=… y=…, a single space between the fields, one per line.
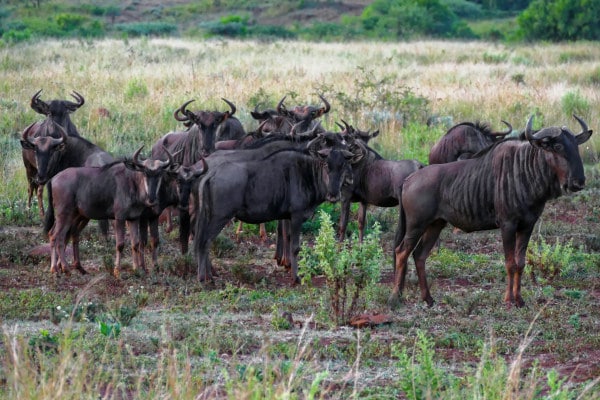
x=213 y=170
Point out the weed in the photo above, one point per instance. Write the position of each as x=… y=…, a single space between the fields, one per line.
x=549 y=260
x=349 y=267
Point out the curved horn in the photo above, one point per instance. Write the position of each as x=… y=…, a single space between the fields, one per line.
x=509 y=130
x=340 y=125
x=204 y=168
x=62 y=138
x=312 y=145
x=280 y=107
x=348 y=127
x=164 y=164
x=528 y=129
x=231 y=105
x=25 y=134
x=182 y=110
x=39 y=105
x=79 y=98
x=327 y=106
x=584 y=127
x=136 y=155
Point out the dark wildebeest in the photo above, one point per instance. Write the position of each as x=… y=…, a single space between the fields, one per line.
x=280 y=121
x=287 y=184
x=121 y=190
x=504 y=187
x=376 y=181
x=464 y=140
x=205 y=128
x=58 y=111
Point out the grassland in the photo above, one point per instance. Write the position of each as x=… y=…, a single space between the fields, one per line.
x=165 y=336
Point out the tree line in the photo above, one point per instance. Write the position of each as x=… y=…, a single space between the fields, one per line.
x=509 y=20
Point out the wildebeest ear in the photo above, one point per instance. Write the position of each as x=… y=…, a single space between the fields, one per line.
x=374 y=134
x=132 y=165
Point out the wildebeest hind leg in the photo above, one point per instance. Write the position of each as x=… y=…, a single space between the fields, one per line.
x=402 y=252
x=75 y=234
x=422 y=251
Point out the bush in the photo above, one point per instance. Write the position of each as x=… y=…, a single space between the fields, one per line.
x=147 y=28
x=350 y=268
x=549 y=260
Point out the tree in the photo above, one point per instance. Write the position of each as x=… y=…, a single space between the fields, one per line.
x=401 y=19
x=558 y=20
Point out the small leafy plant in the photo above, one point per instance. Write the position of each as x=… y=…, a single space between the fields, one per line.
x=548 y=259
x=350 y=267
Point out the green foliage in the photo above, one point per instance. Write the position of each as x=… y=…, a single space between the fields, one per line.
x=420 y=376
x=573 y=102
x=350 y=267
x=147 y=28
x=230 y=26
x=558 y=20
x=550 y=260
x=135 y=88
x=402 y=19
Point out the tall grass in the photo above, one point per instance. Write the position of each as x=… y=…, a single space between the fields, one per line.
x=140 y=82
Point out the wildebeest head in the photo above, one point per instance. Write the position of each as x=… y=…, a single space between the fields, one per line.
x=153 y=171
x=58 y=110
x=332 y=150
x=350 y=131
x=209 y=123
x=186 y=176
x=48 y=144
x=562 y=150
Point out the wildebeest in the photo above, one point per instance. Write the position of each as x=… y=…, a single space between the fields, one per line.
x=376 y=181
x=287 y=184
x=205 y=129
x=57 y=111
x=464 y=140
x=504 y=187
x=121 y=190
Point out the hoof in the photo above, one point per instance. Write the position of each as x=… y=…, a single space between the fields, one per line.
x=79 y=268
x=394 y=301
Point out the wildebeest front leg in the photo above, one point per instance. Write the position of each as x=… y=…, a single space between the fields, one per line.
x=521 y=257
x=295 y=226
x=344 y=215
x=362 y=218
x=137 y=246
x=509 y=246
x=282 y=247
x=120 y=244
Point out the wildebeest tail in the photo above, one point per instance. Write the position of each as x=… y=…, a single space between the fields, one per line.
x=49 y=219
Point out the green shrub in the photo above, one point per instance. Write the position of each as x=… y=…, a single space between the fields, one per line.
x=147 y=28
x=549 y=260
x=351 y=268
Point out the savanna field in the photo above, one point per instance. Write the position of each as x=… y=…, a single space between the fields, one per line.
x=248 y=334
